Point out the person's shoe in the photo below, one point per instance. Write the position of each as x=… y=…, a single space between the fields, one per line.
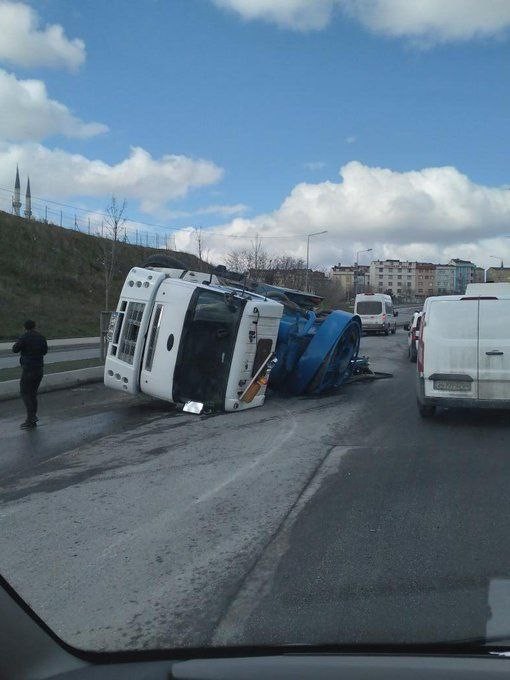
x=28 y=425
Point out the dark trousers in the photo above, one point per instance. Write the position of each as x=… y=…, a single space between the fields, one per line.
x=28 y=386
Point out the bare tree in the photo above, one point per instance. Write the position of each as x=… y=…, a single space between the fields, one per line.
x=253 y=257
x=114 y=231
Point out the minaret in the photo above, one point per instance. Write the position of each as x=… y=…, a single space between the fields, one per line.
x=28 y=201
x=16 y=200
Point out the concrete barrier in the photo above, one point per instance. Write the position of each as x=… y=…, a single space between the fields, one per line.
x=9 y=389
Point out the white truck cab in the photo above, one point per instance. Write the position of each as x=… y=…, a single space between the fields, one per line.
x=183 y=341
x=376 y=312
x=464 y=350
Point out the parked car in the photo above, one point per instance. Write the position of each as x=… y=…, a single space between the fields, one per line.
x=376 y=312
x=464 y=352
x=413 y=336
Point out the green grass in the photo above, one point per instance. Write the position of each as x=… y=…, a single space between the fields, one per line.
x=55 y=276
x=15 y=372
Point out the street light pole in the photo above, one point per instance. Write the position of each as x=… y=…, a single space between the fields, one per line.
x=358 y=253
x=315 y=233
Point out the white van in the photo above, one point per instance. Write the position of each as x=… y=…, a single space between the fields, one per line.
x=464 y=352
x=376 y=312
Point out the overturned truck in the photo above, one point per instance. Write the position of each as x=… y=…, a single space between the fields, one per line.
x=210 y=343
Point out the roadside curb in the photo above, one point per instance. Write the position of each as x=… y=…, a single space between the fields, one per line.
x=9 y=389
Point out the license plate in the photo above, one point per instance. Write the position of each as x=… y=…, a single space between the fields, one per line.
x=452 y=385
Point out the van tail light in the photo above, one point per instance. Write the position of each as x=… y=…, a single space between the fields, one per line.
x=384 y=317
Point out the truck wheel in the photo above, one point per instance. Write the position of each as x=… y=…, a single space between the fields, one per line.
x=393 y=330
x=386 y=331
x=426 y=410
x=413 y=354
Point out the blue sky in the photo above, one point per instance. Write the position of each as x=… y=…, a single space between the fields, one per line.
x=269 y=106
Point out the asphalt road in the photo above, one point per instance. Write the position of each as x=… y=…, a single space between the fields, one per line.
x=347 y=518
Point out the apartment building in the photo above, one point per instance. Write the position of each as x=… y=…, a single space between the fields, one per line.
x=425 y=279
x=445 y=279
x=464 y=274
x=479 y=275
x=395 y=276
x=343 y=277
x=498 y=274
x=351 y=279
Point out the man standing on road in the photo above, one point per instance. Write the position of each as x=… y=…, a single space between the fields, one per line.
x=32 y=347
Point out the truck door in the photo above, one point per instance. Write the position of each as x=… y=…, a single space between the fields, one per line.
x=207 y=344
x=163 y=337
x=494 y=350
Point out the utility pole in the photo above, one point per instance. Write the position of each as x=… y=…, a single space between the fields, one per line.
x=315 y=233
x=89 y=226
x=356 y=264
x=46 y=214
x=60 y=216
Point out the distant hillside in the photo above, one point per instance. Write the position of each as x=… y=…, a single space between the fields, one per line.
x=54 y=276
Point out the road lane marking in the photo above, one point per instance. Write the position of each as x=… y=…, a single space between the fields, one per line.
x=258 y=580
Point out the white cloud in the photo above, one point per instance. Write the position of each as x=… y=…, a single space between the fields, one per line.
x=433 y=20
x=301 y=15
x=27 y=113
x=426 y=213
x=428 y=21
x=315 y=165
x=351 y=139
x=153 y=182
x=24 y=43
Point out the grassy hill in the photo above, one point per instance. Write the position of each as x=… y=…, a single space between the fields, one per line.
x=55 y=276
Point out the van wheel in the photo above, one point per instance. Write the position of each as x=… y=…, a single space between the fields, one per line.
x=426 y=410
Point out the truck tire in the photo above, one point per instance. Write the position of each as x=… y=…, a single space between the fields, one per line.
x=413 y=354
x=426 y=410
x=386 y=331
x=393 y=330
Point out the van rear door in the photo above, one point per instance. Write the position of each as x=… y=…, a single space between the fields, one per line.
x=450 y=344
x=494 y=350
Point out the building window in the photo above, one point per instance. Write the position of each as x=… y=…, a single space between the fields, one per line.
x=409 y=284
x=399 y=276
x=380 y=276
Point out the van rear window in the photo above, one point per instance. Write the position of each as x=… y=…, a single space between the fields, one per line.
x=369 y=307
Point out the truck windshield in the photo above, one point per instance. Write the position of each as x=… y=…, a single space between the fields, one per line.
x=369 y=307
x=207 y=343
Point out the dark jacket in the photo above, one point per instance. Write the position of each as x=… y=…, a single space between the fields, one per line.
x=32 y=346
